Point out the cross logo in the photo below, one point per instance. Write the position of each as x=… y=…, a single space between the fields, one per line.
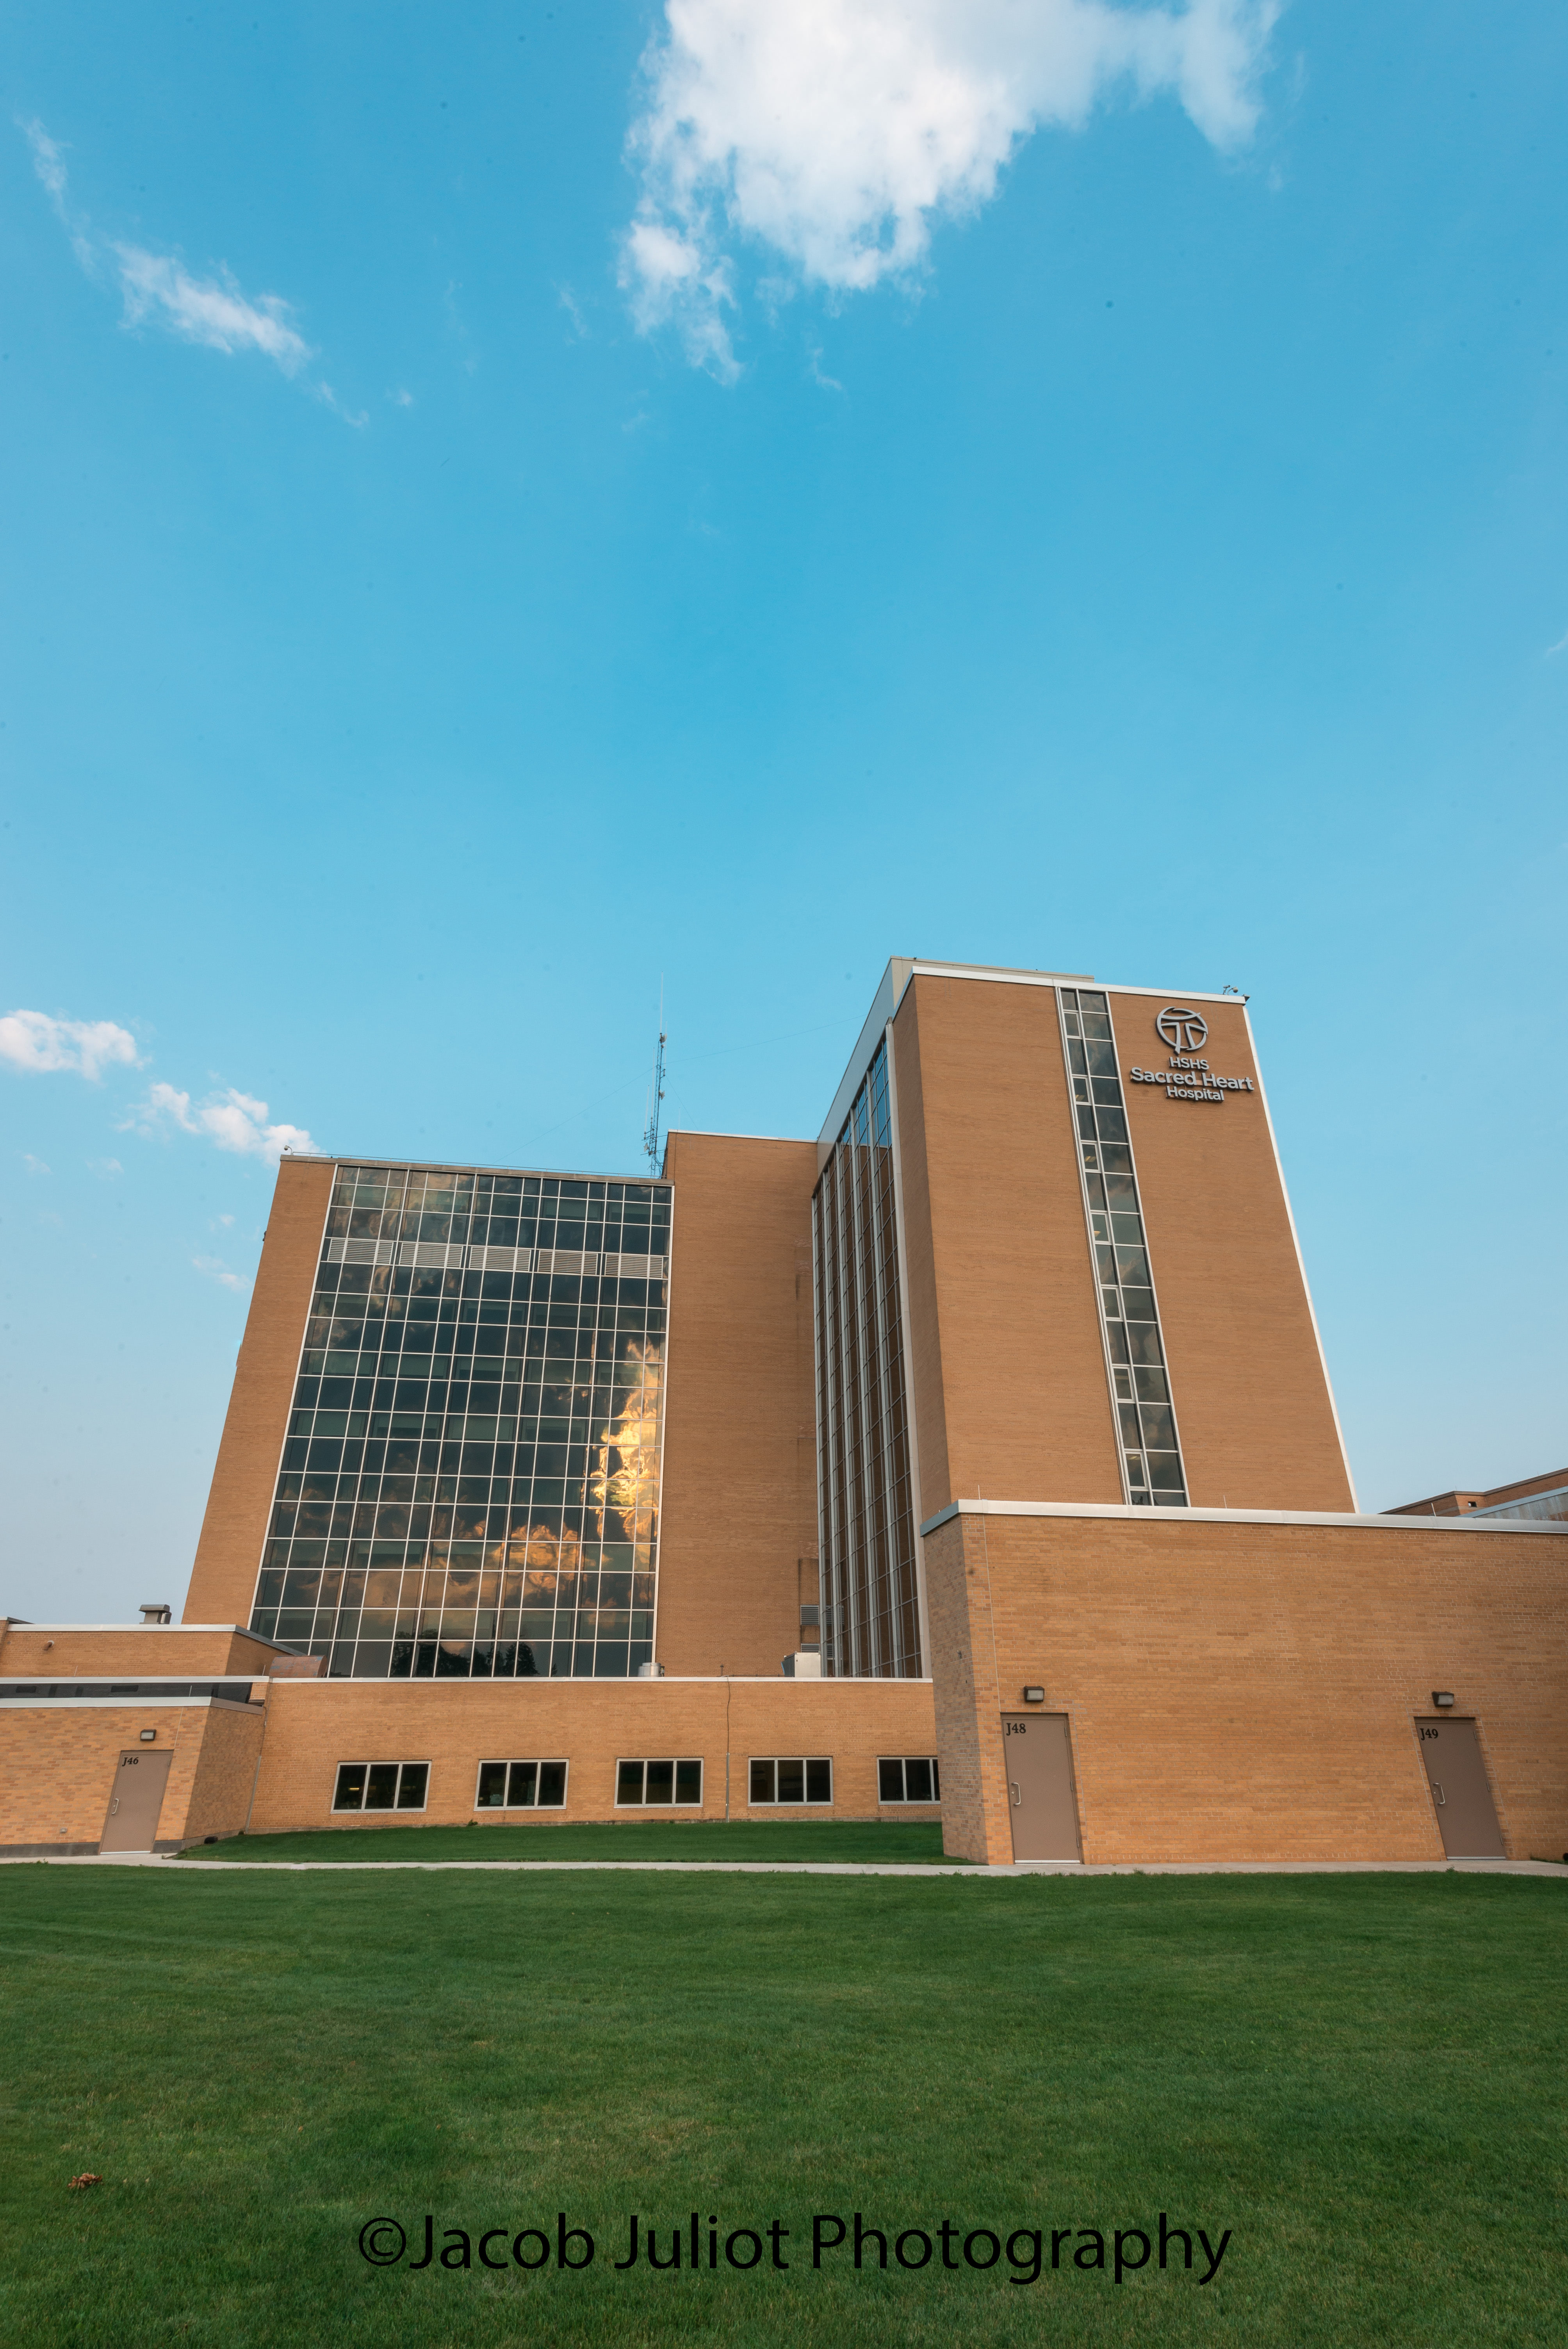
x=1184 y=1031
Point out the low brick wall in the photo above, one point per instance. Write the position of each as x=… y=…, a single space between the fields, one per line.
x=1245 y=1690
x=57 y=1765
x=453 y=1725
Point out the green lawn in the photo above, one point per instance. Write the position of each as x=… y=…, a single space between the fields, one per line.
x=1360 y=2076
x=717 y=1839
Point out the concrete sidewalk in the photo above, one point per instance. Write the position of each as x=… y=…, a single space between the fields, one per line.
x=810 y=1867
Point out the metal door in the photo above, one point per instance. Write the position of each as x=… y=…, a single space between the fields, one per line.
x=1467 y=1815
x=1038 y=1753
x=136 y=1799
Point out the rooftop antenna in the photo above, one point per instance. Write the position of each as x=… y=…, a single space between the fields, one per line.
x=657 y=1093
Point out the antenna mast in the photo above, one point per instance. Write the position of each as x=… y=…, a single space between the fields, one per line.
x=657 y=1093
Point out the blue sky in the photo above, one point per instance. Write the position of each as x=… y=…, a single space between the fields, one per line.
x=506 y=507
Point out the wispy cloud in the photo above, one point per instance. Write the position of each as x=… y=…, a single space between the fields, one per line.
x=1560 y=647
x=159 y=290
x=211 y=310
x=34 y=1165
x=234 y=1119
x=214 y=1268
x=38 y=1044
x=836 y=133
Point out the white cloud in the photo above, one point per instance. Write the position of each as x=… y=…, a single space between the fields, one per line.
x=106 y=1169
x=35 y=1043
x=216 y=1269
x=158 y=289
x=34 y=1165
x=234 y=1119
x=837 y=132
x=206 y=310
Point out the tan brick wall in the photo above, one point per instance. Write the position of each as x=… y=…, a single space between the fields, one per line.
x=57 y=1765
x=1247 y=1691
x=134 y=1650
x=1001 y=1284
x=227 y=1554
x=1252 y=1398
x=738 y=1538
x=965 y=1698
x=312 y=1726
x=1011 y=1396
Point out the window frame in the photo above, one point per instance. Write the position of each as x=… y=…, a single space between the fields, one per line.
x=538 y=1762
x=360 y=1809
x=885 y=1761
x=644 y=1762
x=776 y=1802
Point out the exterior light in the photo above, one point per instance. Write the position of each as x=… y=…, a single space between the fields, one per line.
x=1443 y=1697
x=148 y=1736
x=1034 y=1696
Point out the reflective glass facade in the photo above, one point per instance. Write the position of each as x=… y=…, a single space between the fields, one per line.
x=1151 y=1469
x=871 y=1611
x=470 y=1482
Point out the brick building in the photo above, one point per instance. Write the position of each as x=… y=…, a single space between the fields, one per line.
x=977 y=1461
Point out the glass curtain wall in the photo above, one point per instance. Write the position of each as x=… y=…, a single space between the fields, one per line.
x=870 y=1613
x=1150 y=1449
x=470 y=1482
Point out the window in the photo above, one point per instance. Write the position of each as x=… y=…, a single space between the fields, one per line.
x=1152 y=1474
x=641 y=1783
x=469 y=1487
x=521 y=1787
x=793 y=1781
x=869 y=1599
x=381 y=1786
x=908 y=1780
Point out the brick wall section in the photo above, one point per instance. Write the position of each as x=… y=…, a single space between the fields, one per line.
x=738 y=1544
x=965 y=1695
x=57 y=1765
x=1001 y=1282
x=1252 y=1396
x=227 y=1554
x=225 y=1773
x=131 y=1651
x=1247 y=1691
x=312 y=1726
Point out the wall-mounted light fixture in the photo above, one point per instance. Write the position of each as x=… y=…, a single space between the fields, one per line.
x=148 y=1736
x=1034 y=1696
x=1443 y=1697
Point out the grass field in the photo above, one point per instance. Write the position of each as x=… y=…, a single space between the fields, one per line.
x=713 y=1839
x=1361 y=2077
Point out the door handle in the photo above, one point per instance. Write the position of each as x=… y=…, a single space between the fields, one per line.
x=1439 y=1794
x=1017 y=1793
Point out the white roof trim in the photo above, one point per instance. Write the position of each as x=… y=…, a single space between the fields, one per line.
x=1224 y=1516
x=118 y=1703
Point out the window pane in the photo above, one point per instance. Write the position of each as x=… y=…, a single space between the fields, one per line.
x=629 y=1782
x=791 y=1782
x=819 y=1782
x=661 y=1782
x=492 y=1796
x=350 y=1794
x=381 y=1789
x=552 y=1785
x=761 y=1781
x=689 y=1782
x=935 y=1780
x=524 y=1786
x=917 y=1781
x=412 y=1792
x=890 y=1782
